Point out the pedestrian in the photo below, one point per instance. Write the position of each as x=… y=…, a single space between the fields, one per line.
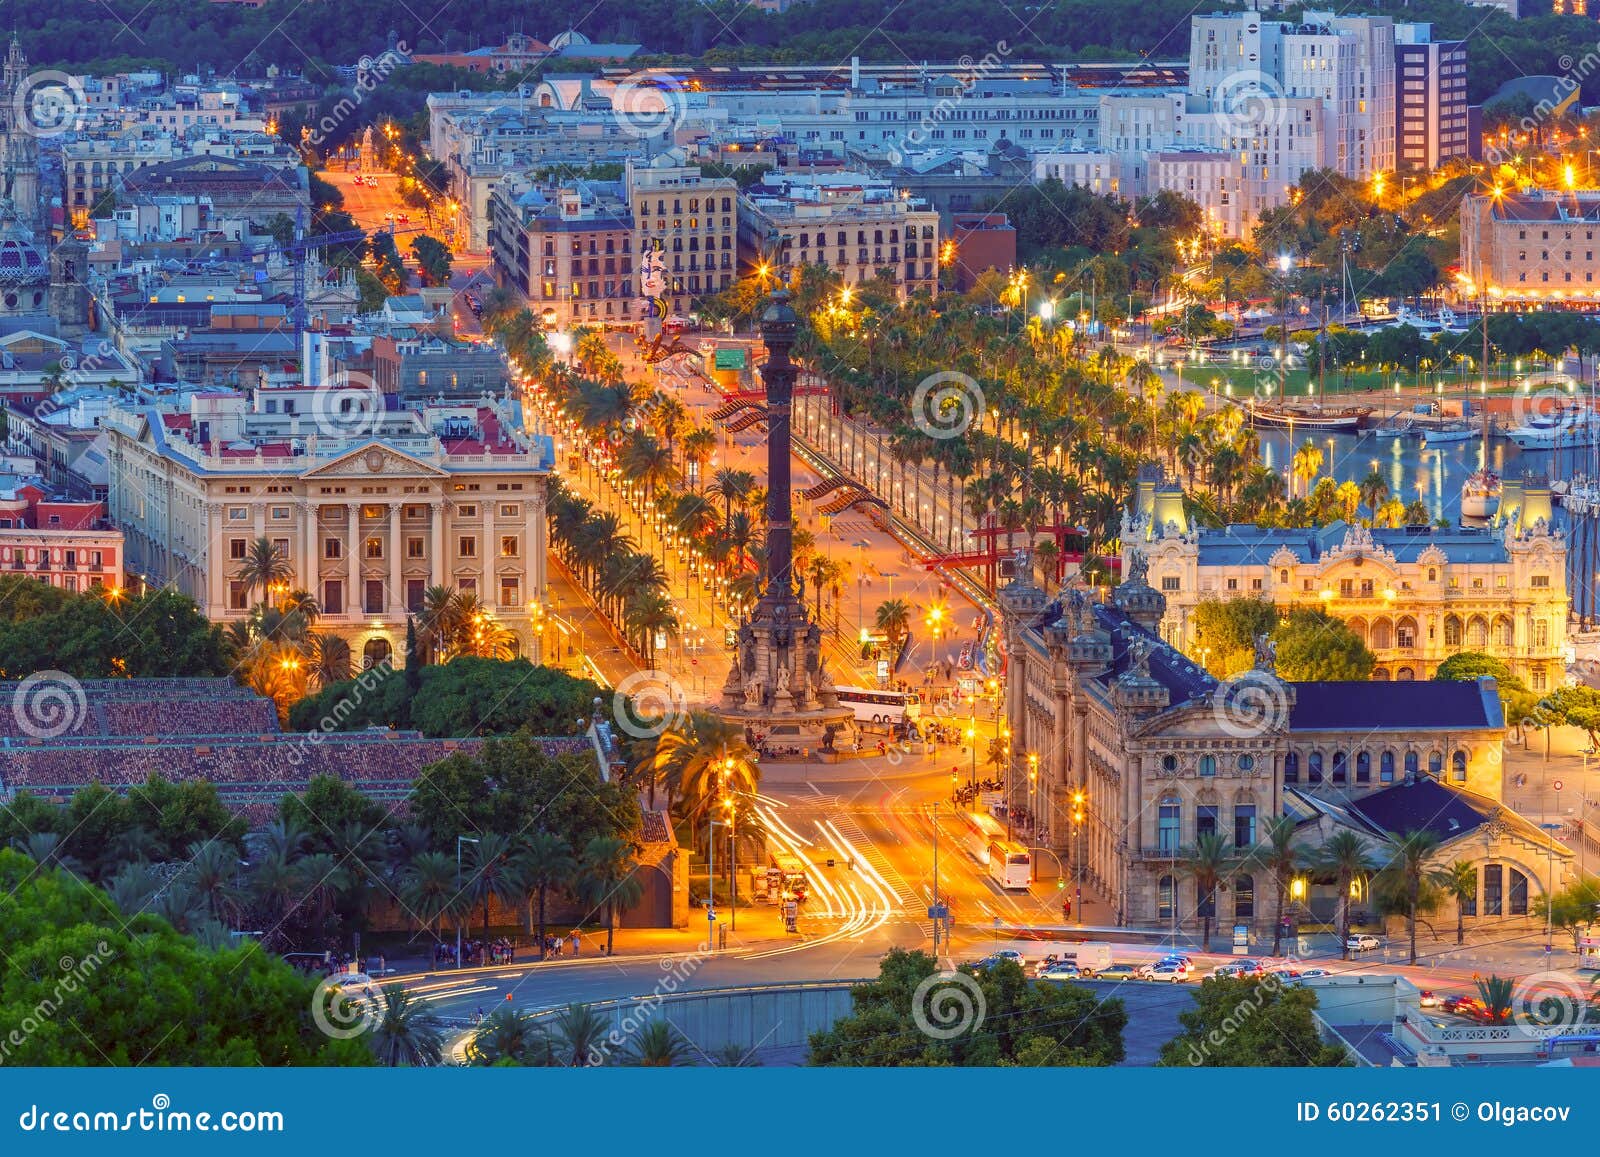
x=575 y=942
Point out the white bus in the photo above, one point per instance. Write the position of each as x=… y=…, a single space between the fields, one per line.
x=895 y=707
x=1010 y=865
x=981 y=833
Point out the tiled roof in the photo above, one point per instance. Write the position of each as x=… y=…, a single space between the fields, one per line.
x=1403 y=706
x=1243 y=545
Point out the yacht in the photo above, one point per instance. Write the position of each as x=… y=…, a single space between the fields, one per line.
x=1480 y=495
x=1448 y=433
x=1564 y=429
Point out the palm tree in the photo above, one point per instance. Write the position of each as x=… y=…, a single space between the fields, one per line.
x=1460 y=881
x=133 y=888
x=263 y=566
x=1410 y=866
x=1345 y=856
x=213 y=873
x=492 y=874
x=439 y=621
x=407 y=1033
x=330 y=658
x=1374 y=491
x=606 y=879
x=658 y=1046
x=700 y=758
x=577 y=1037
x=1496 y=993
x=1281 y=857
x=45 y=849
x=893 y=618
x=1207 y=863
x=428 y=888
x=505 y=1034
x=732 y=486
x=1307 y=463
x=543 y=863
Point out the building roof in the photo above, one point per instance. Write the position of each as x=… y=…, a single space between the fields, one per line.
x=1243 y=545
x=1427 y=705
x=1423 y=804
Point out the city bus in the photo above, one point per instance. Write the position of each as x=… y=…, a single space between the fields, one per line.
x=1010 y=865
x=894 y=707
x=981 y=833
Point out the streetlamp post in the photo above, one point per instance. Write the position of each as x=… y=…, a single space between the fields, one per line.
x=711 y=886
x=459 y=841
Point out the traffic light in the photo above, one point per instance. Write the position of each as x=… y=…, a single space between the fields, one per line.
x=1060 y=883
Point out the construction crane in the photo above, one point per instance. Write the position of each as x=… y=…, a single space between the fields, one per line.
x=297 y=250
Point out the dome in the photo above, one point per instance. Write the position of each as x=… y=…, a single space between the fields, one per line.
x=21 y=263
x=570 y=37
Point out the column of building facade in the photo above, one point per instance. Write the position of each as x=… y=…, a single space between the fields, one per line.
x=436 y=557
x=397 y=594
x=490 y=558
x=533 y=548
x=355 y=597
x=307 y=568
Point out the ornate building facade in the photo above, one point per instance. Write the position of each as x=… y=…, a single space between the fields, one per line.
x=1126 y=752
x=1415 y=595
x=368 y=508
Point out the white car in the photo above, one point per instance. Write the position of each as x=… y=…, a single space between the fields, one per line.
x=1362 y=943
x=1173 y=971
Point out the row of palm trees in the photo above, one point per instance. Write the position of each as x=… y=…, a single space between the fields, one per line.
x=699 y=762
x=1400 y=878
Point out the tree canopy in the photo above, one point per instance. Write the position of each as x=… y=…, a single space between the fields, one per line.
x=1250 y=1022
x=1314 y=646
x=100 y=636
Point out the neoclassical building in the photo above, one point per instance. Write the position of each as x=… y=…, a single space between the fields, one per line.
x=1415 y=595
x=369 y=506
x=1125 y=751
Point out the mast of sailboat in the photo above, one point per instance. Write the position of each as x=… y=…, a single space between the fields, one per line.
x=1483 y=324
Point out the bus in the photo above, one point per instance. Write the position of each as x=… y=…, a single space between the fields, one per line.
x=980 y=833
x=893 y=707
x=1010 y=865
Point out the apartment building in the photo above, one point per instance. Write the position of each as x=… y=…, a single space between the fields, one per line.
x=691 y=221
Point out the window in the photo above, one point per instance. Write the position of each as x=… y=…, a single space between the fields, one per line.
x=508 y=546
x=1169 y=582
x=374 y=548
x=372 y=601
x=1458 y=767
x=414 y=595
x=1363 y=767
x=332 y=597
x=1452 y=631
x=414 y=548
x=236 y=549
x=1314 y=768
x=1541 y=633
x=1413 y=764
x=1341 y=767
x=1436 y=763
x=1164 y=898
x=1493 y=882
x=510 y=510
x=1205 y=820
x=510 y=589
x=1386 y=767
x=1244 y=897
x=1517 y=904
x=1169 y=763
x=332 y=548
x=1244 y=825
x=467 y=547
x=1247 y=763
x=1291 y=768
x=1208 y=765
x=1539 y=580
x=280 y=513
x=1167 y=819
x=238 y=596
x=467 y=510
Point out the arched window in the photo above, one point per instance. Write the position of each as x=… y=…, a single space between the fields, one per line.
x=1247 y=762
x=1341 y=767
x=1169 y=818
x=1477 y=632
x=1244 y=897
x=1433 y=574
x=1405 y=675
x=1386 y=767
x=1412 y=763
x=1164 y=898
x=1208 y=765
x=376 y=651
x=1541 y=633
x=1291 y=768
x=1363 y=767
x=1458 y=767
x=1504 y=632
x=1452 y=631
x=1436 y=763
x=1314 y=768
x=1516 y=893
x=1380 y=635
x=1283 y=575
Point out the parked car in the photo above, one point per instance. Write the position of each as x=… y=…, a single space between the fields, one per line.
x=1239 y=968
x=1363 y=943
x=1004 y=956
x=1177 y=956
x=1061 y=971
x=1172 y=971
x=1313 y=973
x=1118 y=970
x=1285 y=972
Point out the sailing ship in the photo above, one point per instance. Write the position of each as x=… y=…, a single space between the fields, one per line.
x=1449 y=433
x=1480 y=493
x=1329 y=419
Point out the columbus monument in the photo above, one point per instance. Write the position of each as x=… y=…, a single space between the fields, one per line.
x=778 y=686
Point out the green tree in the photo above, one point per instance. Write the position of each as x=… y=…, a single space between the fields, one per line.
x=995 y=1016
x=1250 y=1022
x=407 y=1032
x=1408 y=866
x=1345 y=857
x=1314 y=647
x=544 y=863
x=658 y=1045
x=1576 y=908
x=433 y=260
x=1208 y=863
x=1281 y=857
x=608 y=880
x=1225 y=633
x=1460 y=882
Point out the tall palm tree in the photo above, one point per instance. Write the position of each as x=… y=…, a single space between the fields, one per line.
x=213 y=871
x=1281 y=857
x=893 y=618
x=1409 y=863
x=1207 y=863
x=505 y=1034
x=263 y=566
x=607 y=880
x=646 y=615
x=407 y=1033
x=428 y=888
x=543 y=863
x=1345 y=857
x=1460 y=882
x=1306 y=463
x=439 y=621
x=490 y=874
x=732 y=486
x=577 y=1037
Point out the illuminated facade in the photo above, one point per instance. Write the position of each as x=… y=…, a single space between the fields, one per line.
x=1542 y=245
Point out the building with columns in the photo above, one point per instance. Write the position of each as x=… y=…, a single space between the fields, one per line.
x=370 y=505
x=1126 y=752
x=1415 y=594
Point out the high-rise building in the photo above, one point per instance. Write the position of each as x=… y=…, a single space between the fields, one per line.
x=1433 y=124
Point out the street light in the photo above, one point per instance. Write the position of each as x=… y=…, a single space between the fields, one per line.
x=459 y=841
